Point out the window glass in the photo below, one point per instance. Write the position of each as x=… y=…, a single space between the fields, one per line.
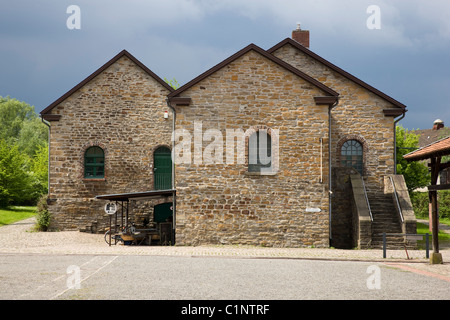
x=260 y=152
x=94 y=163
x=352 y=155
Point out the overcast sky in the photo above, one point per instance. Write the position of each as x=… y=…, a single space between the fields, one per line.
x=407 y=57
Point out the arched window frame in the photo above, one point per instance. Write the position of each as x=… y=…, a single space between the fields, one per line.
x=365 y=151
x=94 y=164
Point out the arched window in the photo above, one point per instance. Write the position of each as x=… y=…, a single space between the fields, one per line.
x=260 y=152
x=94 y=163
x=352 y=155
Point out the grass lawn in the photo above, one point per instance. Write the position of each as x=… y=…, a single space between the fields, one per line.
x=444 y=238
x=15 y=213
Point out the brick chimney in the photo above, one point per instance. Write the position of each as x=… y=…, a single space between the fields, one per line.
x=438 y=124
x=301 y=36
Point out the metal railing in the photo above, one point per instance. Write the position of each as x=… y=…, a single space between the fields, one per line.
x=408 y=236
x=399 y=209
x=367 y=199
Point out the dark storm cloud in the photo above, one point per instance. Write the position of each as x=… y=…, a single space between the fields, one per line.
x=406 y=58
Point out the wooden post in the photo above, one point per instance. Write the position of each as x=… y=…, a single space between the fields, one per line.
x=436 y=257
x=434 y=220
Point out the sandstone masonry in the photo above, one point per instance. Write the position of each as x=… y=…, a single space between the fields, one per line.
x=309 y=108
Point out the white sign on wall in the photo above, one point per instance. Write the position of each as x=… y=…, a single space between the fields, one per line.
x=110 y=208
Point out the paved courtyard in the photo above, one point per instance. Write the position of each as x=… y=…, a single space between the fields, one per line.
x=45 y=265
x=19 y=238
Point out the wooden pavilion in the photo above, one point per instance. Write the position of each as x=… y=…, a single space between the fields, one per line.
x=434 y=152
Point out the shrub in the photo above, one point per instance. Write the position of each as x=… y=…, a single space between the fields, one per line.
x=420 y=202
x=444 y=204
x=43 y=216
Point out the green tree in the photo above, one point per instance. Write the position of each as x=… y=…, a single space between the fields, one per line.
x=23 y=153
x=19 y=124
x=39 y=170
x=32 y=137
x=15 y=180
x=416 y=173
x=13 y=113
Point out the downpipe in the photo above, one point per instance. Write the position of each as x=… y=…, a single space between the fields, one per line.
x=330 y=192
x=174 y=200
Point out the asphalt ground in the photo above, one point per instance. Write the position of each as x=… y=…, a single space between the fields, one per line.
x=38 y=265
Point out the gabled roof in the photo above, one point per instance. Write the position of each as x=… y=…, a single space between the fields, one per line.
x=262 y=52
x=99 y=71
x=338 y=70
x=436 y=149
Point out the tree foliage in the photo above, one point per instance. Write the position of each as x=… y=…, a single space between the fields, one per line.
x=23 y=153
x=416 y=173
x=15 y=180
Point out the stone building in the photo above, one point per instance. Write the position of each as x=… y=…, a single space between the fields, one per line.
x=264 y=145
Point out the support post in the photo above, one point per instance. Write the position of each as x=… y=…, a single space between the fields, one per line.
x=384 y=245
x=110 y=218
x=436 y=257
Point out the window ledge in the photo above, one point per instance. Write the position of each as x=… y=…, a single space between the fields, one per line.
x=94 y=179
x=247 y=173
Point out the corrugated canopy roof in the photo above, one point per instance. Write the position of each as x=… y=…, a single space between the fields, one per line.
x=437 y=149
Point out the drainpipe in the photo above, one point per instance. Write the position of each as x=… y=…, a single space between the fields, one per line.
x=395 y=141
x=174 y=201
x=48 y=164
x=330 y=193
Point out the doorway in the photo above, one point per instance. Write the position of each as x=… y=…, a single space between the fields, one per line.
x=162 y=171
x=163 y=216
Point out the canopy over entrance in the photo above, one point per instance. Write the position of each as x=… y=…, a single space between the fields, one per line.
x=434 y=152
x=137 y=195
x=163 y=212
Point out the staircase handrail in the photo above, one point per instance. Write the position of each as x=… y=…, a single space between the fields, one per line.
x=367 y=199
x=396 y=199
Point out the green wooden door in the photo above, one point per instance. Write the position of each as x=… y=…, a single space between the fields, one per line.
x=163 y=212
x=162 y=169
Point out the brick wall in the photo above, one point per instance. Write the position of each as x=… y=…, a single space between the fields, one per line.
x=113 y=111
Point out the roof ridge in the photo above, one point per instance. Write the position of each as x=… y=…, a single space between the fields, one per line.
x=337 y=69
x=264 y=53
x=99 y=71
